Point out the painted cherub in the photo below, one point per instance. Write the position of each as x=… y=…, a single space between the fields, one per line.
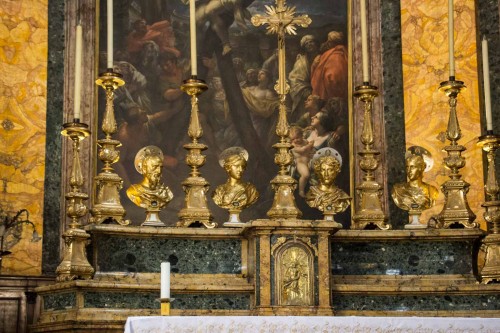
x=302 y=151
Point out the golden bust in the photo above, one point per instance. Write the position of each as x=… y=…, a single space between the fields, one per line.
x=327 y=197
x=235 y=194
x=415 y=195
x=150 y=193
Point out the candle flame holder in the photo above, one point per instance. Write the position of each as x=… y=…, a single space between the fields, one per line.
x=75 y=264
x=490 y=244
x=195 y=187
x=456 y=208
x=107 y=206
x=369 y=192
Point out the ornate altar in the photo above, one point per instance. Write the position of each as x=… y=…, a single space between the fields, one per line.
x=278 y=260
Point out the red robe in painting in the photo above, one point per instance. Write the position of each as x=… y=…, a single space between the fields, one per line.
x=329 y=74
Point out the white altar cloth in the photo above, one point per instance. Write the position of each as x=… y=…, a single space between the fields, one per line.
x=283 y=324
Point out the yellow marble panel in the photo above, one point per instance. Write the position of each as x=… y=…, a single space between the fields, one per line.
x=424 y=30
x=23 y=97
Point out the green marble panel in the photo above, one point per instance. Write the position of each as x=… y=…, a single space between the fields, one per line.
x=211 y=302
x=186 y=256
x=61 y=301
x=401 y=258
x=122 y=300
x=416 y=303
x=151 y=300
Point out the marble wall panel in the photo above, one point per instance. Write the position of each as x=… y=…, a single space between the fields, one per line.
x=416 y=303
x=62 y=301
x=181 y=301
x=394 y=120
x=401 y=258
x=23 y=97
x=186 y=256
x=425 y=66
x=211 y=302
x=55 y=104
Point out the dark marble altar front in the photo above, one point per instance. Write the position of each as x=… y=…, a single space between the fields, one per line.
x=186 y=256
x=416 y=303
x=401 y=258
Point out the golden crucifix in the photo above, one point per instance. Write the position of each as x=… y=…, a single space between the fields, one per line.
x=282 y=20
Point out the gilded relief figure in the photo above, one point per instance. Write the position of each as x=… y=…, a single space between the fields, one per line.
x=150 y=193
x=235 y=194
x=295 y=289
x=415 y=195
x=325 y=196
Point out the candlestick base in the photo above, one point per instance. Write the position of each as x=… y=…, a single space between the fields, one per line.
x=165 y=306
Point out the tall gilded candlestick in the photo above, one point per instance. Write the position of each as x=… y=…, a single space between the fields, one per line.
x=490 y=245
x=456 y=209
x=75 y=264
x=369 y=192
x=281 y=20
x=107 y=206
x=195 y=187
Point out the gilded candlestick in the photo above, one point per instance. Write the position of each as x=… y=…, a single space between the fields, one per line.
x=195 y=187
x=107 y=205
x=369 y=192
x=456 y=208
x=490 y=245
x=75 y=264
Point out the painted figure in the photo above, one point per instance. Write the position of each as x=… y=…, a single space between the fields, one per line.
x=302 y=152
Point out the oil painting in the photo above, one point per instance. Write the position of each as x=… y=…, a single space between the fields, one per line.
x=239 y=63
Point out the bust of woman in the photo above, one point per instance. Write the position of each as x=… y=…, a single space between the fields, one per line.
x=235 y=194
x=325 y=196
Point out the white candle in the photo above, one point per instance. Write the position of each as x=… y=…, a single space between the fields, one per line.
x=165 y=280
x=486 y=79
x=192 y=27
x=451 y=43
x=78 y=73
x=364 y=42
x=110 y=33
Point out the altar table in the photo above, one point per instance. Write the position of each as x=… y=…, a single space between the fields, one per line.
x=283 y=324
